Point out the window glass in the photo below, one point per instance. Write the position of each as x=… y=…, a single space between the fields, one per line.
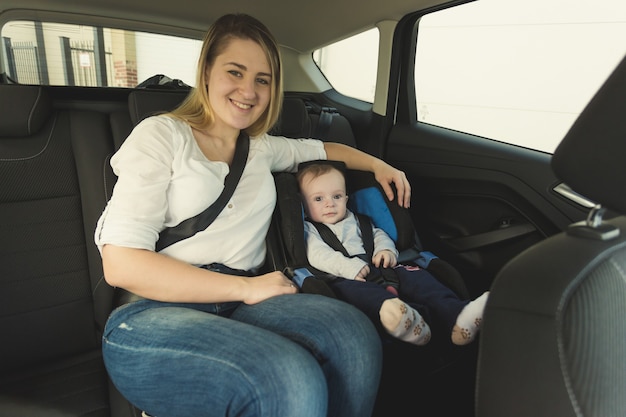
x=350 y=65
x=63 y=54
x=518 y=71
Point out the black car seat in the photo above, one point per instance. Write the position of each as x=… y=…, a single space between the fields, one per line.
x=444 y=372
x=147 y=102
x=366 y=197
x=554 y=333
x=300 y=117
x=53 y=303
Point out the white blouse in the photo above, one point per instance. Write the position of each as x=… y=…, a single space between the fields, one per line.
x=164 y=178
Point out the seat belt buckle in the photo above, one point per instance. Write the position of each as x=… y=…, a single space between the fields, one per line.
x=299 y=275
x=424 y=259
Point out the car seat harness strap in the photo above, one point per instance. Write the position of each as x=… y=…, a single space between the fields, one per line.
x=382 y=276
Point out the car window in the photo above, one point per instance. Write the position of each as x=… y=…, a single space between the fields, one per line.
x=350 y=65
x=63 y=54
x=518 y=71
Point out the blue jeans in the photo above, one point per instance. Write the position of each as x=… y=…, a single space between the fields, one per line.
x=288 y=356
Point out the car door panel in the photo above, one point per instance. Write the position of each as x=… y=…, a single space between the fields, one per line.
x=477 y=203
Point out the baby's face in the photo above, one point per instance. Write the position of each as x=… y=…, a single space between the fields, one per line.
x=325 y=197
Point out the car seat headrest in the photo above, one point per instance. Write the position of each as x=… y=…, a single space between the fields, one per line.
x=146 y=102
x=591 y=157
x=294 y=121
x=24 y=110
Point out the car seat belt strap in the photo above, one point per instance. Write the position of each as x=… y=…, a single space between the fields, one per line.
x=323 y=124
x=201 y=221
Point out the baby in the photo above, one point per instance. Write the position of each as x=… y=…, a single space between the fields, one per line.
x=420 y=299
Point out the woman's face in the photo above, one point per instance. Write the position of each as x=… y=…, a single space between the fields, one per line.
x=239 y=84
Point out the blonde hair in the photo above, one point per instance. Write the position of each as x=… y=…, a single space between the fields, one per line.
x=196 y=109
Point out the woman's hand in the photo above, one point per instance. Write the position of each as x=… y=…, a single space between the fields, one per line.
x=385 y=259
x=265 y=286
x=386 y=175
x=159 y=277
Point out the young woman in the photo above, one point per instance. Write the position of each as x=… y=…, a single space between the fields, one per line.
x=211 y=336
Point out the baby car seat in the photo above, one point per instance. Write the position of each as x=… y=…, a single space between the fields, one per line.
x=366 y=197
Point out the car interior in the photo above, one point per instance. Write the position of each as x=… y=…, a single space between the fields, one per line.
x=562 y=349
x=552 y=341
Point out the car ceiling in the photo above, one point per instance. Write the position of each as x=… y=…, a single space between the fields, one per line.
x=299 y=25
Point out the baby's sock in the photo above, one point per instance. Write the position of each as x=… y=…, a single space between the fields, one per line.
x=469 y=320
x=403 y=322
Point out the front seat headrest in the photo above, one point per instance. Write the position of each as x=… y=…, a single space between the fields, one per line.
x=591 y=159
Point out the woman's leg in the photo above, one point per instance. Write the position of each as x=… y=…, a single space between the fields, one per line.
x=341 y=338
x=172 y=360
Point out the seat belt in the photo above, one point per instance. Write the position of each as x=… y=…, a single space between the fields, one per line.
x=323 y=123
x=201 y=221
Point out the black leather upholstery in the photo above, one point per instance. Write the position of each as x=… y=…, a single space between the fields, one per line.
x=554 y=334
x=56 y=180
x=24 y=111
x=53 y=301
x=294 y=121
x=144 y=103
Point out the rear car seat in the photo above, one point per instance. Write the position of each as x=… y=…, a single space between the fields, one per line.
x=53 y=299
x=54 y=162
x=298 y=118
x=146 y=102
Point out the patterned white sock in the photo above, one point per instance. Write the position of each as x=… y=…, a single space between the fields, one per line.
x=404 y=322
x=469 y=320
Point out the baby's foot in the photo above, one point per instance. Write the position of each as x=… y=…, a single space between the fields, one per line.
x=404 y=322
x=469 y=321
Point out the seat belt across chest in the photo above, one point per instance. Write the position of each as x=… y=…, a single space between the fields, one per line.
x=201 y=221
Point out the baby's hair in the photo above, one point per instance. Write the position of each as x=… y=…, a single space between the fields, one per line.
x=318 y=168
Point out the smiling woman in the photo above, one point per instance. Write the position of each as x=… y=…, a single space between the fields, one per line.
x=206 y=305
x=240 y=87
